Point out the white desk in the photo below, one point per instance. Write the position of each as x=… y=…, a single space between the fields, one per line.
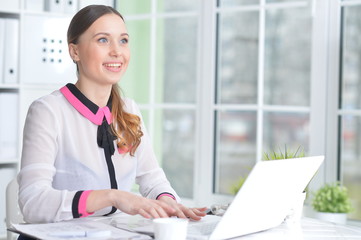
x=308 y=229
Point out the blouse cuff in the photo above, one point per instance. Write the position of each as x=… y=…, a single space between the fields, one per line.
x=79 y=204
x=166 y=194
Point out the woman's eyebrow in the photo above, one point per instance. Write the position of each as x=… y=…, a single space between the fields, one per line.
x=108 y=34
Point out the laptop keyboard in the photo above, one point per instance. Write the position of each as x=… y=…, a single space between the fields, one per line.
x=198 y=228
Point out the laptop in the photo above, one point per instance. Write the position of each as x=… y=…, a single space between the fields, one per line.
x=263 y=202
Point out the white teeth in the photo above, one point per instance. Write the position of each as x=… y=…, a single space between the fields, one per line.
x=113 y=65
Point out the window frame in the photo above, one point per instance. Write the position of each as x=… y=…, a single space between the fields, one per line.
x=323 y=111
x=207 y=105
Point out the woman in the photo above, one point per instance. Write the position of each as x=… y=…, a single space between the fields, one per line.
x=84 y=146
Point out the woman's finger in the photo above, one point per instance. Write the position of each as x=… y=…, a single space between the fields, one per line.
x=191 y=214
x=199 y=211
x=181 y=211
x=153 y=212
x=144 y=214
x=166 y=207
x=161 y=212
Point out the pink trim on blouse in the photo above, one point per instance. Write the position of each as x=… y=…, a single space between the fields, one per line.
x=82 y=204
x=78 y=105
x=166 y=194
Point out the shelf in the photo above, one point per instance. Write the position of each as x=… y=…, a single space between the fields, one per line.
x=9 y=13
x=9 y=86
x=9 y=161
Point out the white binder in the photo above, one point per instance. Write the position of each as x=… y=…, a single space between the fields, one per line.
x=71 y=6
x=11 y=51
x=2 y=41
x=8 y=125
x=45 y=52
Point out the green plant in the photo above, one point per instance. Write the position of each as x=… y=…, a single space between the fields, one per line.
x=273 y=155
x=237 y=185
x=332 y=198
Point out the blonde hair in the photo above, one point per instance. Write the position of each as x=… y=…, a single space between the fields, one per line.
x=126 y=126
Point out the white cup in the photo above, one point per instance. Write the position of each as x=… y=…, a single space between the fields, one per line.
x=170 y=228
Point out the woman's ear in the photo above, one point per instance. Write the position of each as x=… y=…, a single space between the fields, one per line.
x=73 y=51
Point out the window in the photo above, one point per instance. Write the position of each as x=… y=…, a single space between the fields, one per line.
x=220 y=82
x=349 y=111
x=262 y=84
x=162 y=78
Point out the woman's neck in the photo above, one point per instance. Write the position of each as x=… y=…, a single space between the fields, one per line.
x=98 y=94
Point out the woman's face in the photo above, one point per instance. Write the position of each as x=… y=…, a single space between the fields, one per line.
x=102 y=52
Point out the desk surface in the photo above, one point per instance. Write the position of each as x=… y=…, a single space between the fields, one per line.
x=308 y=229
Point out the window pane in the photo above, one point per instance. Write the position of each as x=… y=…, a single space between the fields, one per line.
x=132 y=7
x=235 y=147
x=176 y=5
x=351 y=58
x=237 y=58
x=176 y=60
x=175 y=143
x=282 y=130
x=135 y=82
x=226 y=3
x=287 y=57
x=351 y=161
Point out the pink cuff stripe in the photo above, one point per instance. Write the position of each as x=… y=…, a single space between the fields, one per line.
x=166 y=194
x=82 y=204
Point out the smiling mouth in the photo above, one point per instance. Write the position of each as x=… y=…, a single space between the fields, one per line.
x=112 y=65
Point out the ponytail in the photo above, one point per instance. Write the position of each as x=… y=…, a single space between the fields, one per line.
x=125 y=126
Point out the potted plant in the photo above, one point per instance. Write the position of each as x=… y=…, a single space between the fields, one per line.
x=331 y=203
x=237 y=185
x=272 y=155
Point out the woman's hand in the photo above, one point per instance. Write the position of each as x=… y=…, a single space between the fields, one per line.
x=182 y=211
x=148 y=208
x=129 y=203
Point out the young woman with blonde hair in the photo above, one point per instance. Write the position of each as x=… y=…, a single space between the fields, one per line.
x=84 y=145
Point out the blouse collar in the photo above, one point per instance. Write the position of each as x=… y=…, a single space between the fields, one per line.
x=86 y=107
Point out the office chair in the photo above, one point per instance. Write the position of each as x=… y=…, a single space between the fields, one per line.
x=13 y=213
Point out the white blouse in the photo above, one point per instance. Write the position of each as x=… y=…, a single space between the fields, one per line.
x=61 y=156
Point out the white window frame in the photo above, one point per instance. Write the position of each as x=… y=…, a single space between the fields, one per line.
x=204 y=164
x=323 y=110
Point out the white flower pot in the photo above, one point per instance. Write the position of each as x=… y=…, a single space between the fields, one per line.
x=339 y=218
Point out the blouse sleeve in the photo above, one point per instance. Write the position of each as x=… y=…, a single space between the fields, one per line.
x=38 y=200
x=150 y=176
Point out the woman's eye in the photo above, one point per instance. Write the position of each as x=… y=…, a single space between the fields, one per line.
x=102 y=40
x=124 y=41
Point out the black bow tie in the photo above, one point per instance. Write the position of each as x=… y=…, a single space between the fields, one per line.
x=105 y=137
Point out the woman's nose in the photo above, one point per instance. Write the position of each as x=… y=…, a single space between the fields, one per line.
x=115 y=50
